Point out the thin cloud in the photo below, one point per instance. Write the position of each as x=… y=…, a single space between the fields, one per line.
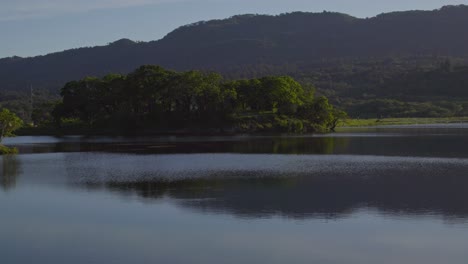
x=27 y=9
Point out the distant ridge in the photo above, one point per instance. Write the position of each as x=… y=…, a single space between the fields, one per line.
x=295 y=39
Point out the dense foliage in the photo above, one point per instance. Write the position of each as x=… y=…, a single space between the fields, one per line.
x=394 y=88
x=391 y=65
x=155 y=99
x=9 y=122
x=293 y=40
x=364 y=89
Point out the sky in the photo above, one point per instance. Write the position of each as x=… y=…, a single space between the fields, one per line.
x=38 y=27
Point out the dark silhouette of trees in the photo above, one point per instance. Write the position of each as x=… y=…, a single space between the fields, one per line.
x=158 y=99
x=394 y=58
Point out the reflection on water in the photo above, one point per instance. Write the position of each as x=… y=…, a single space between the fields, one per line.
x=389 y=142
x=292 y=186
x=275 y=145
x=373 y=196
x=10 y=170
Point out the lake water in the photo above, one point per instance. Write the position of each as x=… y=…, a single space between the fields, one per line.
x=381 y=195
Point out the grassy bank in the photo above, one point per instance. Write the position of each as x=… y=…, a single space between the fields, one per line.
x=402 y=121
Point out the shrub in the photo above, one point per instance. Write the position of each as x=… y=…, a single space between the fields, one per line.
x=4 y=150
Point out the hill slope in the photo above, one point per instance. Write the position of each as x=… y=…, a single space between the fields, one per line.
x=289 y=41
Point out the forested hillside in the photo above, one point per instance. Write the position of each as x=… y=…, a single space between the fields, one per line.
x=352 y=60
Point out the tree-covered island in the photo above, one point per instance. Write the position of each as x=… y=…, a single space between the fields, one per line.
x=152 y=99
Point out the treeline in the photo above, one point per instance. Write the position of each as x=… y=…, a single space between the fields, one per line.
x=155 y=99
x=34 y=105
x=373 y=88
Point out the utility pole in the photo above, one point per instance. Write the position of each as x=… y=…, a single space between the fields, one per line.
x=31 y=104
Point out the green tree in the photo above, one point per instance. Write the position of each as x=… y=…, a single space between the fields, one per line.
x=156 y=99
x=83 y=99
x=9 y=122
x=338 y=116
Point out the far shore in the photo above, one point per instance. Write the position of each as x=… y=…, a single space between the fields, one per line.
x=349 y=123
x=401 y=121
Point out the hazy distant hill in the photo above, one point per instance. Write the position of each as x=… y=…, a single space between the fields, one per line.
x=287 y=42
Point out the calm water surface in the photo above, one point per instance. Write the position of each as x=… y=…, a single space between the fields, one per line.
x=381 y=195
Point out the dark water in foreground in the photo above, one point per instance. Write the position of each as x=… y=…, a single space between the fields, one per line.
x=387 y=195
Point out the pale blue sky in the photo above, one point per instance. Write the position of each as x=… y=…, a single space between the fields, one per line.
x=36 y=27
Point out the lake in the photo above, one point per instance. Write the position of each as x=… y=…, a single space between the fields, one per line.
x=365 y=195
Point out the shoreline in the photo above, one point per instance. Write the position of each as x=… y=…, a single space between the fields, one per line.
x=386 y=122
x=350 y=123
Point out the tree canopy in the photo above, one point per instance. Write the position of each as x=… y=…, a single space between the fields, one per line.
x=155 y=98
x=9 y=122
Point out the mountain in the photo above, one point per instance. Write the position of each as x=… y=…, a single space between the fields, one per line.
x=285 y=43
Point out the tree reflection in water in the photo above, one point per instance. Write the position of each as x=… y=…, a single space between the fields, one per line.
x=415 y=189
x=10 y=171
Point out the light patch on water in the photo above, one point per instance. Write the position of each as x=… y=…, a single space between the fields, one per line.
x=92 y=167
